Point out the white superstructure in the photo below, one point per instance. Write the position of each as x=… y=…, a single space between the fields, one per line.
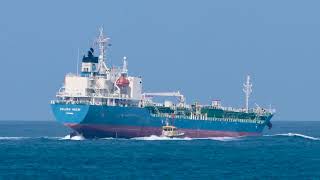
x=100 y=84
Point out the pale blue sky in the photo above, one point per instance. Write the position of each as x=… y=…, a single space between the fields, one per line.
x=202 y=48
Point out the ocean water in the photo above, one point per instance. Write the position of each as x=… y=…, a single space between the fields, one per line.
x=42 y=150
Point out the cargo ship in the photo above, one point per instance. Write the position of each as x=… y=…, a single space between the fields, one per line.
x=105 y=101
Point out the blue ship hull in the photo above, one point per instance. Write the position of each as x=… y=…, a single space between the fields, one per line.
x=97 y=121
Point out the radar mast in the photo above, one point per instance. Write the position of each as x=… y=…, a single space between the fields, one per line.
x=102 y=41
x=247 y=89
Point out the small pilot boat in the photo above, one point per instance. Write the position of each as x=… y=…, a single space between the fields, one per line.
x=171 y=132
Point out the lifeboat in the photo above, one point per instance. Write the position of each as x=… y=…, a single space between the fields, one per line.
x=122 y=81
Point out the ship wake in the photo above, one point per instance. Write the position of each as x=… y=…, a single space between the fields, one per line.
x=74 y=138
x=4 y=138
x=294 y=135
x=13 y=138
x=160 y=138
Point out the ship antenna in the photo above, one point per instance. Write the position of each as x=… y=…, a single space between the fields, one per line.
x=125 y=65
x=247 y=89
x=102 y=41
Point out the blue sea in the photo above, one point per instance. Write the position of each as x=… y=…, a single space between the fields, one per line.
x=42 y=150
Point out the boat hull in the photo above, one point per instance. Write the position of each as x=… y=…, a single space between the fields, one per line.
x=96 y=121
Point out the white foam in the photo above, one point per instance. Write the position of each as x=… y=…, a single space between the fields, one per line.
x=75 y=138
x=224 y=138
x=13 y=138
x=22 y=138
x=159 y=138
x=295 y=135
x=67 y=137
x=219 y=138
x=107 y=138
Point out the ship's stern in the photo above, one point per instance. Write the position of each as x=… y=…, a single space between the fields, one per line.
x=69 y=115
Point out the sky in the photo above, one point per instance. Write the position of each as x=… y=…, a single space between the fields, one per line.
x=202 y=48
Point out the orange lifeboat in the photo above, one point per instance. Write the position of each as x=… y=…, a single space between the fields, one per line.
x=122 y=81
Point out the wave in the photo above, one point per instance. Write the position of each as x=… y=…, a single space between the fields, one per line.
x=14 y=138
x=148 y=138
x=224 y=138
x=24 y=138
x=42 y=137
x=296 y=135
x=160 y=138
x=74 y=138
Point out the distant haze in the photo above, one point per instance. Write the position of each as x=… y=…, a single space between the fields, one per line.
x=202 y=48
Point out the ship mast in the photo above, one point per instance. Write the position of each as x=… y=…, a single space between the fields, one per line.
x=125 y=65
x=247 y=89
x=102 y=41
